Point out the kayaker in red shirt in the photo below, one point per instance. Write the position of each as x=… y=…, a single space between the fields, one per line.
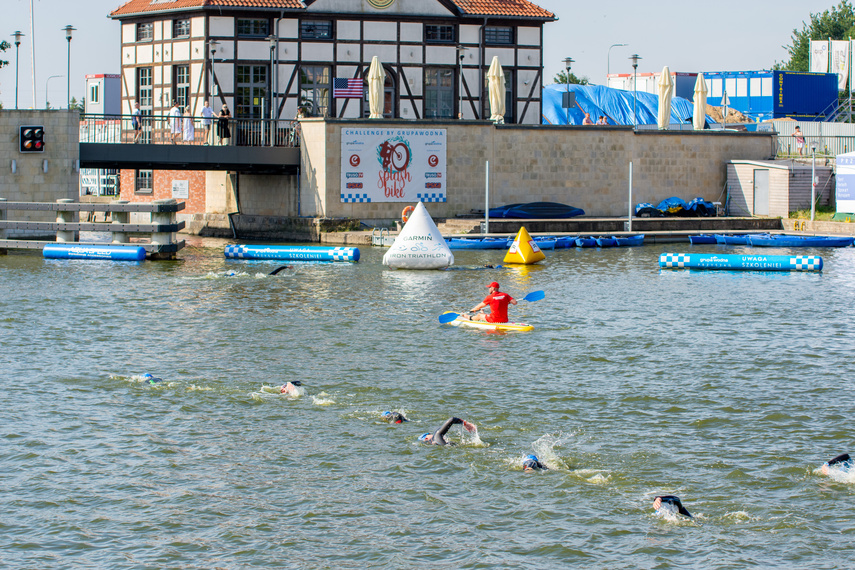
x=498 y=303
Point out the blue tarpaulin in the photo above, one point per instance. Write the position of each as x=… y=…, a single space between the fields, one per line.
x=615 y=104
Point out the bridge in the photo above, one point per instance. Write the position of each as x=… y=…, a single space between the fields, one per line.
x=255 y=146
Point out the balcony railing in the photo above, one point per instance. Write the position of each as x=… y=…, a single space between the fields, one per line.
x=163 y=129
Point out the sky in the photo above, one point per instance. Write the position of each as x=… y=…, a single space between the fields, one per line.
x=725 y=35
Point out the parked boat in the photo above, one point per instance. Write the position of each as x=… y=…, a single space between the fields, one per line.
x=534 y=210
x=564 y=242
x=702 y=239
x=741 y=239
x=606 y=242
x=628 y=241
x=781 y=240
x=477 y=243
x=586 y=242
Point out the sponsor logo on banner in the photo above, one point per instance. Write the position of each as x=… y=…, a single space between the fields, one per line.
x=354 y=175
x=354 y=160
x=433 y=174
x=354 y=185
x=394 y=156
x=433 y=185
x=433 y=160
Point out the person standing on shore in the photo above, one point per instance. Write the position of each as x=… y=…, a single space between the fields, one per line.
x=498 y=303
x=800 y=140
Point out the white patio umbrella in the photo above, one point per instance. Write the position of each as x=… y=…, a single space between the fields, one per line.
x=665 y=86
x=496 y=83
x=700 y=111
x=376 y=90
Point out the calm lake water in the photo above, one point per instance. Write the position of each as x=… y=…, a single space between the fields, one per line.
x=728 y=389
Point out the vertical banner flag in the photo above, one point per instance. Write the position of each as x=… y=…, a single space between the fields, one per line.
x=840 y=62
x=344 y=88
x=819 y=56
x=393 y=165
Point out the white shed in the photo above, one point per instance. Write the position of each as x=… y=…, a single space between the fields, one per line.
x=775 y=187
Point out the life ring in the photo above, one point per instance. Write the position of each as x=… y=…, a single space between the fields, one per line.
x=405 y=215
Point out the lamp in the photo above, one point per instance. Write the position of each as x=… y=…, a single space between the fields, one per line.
x=213 y=45
x=634 y=57
x=18 y=35
x=460 y=56
x=568 y=62
x=609 y=60
x=813 y=146
x=68 y=29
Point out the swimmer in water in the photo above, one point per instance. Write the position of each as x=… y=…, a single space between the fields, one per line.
x=394 y=417
x=438 y=437
x=151 y=379
x=532 y=463
x=670 y=504
x=290 y=388
x=842 y=462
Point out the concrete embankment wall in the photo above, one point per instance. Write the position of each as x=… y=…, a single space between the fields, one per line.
x=586 y=167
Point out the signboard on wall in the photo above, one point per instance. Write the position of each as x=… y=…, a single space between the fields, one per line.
x=181 y=189
x=845 y=182
x=393 y=165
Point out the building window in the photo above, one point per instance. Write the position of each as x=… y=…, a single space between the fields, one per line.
x=315 y=90
x=181 y=84
x=316 y=30
x=254 y=28
x=145 y=32
x=181 y=28
x=502 y=35
x=439 y=34
x=439 y=93
x=93 y=93
x=144 y=98
x=143 y=183
x=251 y=92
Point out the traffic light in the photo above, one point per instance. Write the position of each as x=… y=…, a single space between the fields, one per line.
x=32 y=139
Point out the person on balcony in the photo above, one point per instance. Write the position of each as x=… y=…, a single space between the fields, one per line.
x=223 y=132
x=175 y=122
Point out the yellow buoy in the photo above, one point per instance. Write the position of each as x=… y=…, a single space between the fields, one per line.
x=524 y=250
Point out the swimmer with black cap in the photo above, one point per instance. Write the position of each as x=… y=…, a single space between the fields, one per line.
x=291 y=388
x=394 y=417
x=438 y=437
x=669 y=505
x=532 y=463
x=842 y=462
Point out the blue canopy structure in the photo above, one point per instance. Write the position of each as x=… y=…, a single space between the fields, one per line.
x=615 y=104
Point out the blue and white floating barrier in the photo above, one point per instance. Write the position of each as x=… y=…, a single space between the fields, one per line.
x=292 y=253
x=740 y=262
x=107 y=252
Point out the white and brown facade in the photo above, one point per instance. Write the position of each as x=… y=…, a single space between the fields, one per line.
x=267 y=58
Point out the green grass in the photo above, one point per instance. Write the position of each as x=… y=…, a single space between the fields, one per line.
x=822 y=214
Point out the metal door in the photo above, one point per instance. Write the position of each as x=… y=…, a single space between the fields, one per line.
x=761 y=193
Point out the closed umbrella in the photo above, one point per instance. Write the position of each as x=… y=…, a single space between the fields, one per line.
x=496 y=83
x=700 y=103
x=376 y=91
x=665 y=86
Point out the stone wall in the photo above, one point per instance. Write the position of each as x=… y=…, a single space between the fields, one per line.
x=585 y=167
x=30 y=182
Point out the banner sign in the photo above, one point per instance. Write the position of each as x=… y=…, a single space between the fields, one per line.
x=840 y=62
x=181 y=189
x=819 y=56
x=393 y=165
x=845 y=182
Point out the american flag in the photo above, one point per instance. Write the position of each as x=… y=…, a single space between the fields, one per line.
x=343 y=88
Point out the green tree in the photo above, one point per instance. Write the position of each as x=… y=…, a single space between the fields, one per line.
x=4 y=45
x=838 y=23
x=75 y=104
x=561 y=77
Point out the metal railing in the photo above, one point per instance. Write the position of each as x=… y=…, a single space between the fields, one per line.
x=163 y=129
x=826 y=146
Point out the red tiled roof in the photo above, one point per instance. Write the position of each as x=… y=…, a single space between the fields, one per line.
x=145 y=6
x=512 y=8
x=518 y=8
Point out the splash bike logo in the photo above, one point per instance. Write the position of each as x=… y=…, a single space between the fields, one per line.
x=381 y=4
x=394 y=156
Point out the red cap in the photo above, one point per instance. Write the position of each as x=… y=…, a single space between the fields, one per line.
x=493 y=284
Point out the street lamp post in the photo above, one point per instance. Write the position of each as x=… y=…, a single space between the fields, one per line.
x=68 y=29
x=18 y=36
x=609 y=61
x=47 y=81
x=568 y=61
x=213 y=44
x=460 y=56
x=634 y=57
x=813 y=180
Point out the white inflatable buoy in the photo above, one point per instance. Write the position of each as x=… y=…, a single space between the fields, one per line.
x=419 y=245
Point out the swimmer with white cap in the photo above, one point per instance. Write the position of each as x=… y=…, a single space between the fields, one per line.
x=670 y=505
x=394 y=417
x=532 y=463
x=842 y=462
x=290 y=388
x=438 y=437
